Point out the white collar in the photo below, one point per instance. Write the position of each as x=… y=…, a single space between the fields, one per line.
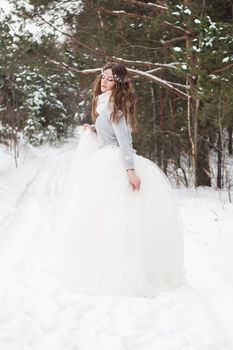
x=103 y=101
x=106 y=92
x=104 y=96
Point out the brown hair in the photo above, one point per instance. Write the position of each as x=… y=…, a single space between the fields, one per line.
x=123 y=95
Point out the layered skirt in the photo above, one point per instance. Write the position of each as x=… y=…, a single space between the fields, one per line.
x=113 y=240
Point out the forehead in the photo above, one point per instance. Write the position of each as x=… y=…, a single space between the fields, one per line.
x=107 y=72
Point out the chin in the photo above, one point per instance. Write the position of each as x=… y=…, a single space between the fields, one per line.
x=105 y=89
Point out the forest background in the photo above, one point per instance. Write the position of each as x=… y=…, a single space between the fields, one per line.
x=179 y=55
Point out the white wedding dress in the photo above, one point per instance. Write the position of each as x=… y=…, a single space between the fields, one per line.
x=113 y=240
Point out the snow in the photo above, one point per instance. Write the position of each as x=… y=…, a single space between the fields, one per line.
x=177 y=49
x=158 y=6
x=182 y=10
x=196 y=49
x=226 y=59
x=36 y=313
x=209 y=42
x=212 y=24
x=56 y=11
x=5 y=6
x=187 y=12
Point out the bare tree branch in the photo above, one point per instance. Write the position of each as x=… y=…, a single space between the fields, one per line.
x=177 y=84
x=148 y=5
x=159 y=81
x=145 y=63
x=121 y=12
x=70 y=36
x=129 y=14
x=138 y=73
x=222 y=69
x=177 y=28
x=65 y=66
x=136 y=46
x=173 y=40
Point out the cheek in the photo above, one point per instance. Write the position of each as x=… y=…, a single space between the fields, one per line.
x=111 y=83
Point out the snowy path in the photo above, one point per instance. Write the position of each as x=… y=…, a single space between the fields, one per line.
x=36 y=314
x=208 y=218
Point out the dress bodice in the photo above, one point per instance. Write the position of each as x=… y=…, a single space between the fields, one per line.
x=114 y=133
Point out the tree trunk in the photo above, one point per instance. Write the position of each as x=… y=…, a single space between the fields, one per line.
x=199 y=147
x=219 y=153
x=159 y=153
x=229 y=131
x=203 y=175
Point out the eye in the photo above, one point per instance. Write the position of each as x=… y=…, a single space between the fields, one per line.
x=108 y=79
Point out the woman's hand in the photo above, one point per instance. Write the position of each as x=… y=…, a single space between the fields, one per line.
x=88 y=126
x=134 y=180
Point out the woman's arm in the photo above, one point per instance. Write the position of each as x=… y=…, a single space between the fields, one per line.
x=134 y=180
x=124 y=139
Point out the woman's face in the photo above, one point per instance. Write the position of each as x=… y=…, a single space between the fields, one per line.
x=107 y=81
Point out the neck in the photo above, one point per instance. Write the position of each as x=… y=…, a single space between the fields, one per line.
x=107 y=92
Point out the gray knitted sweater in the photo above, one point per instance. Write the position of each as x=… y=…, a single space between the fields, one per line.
x=114 y=133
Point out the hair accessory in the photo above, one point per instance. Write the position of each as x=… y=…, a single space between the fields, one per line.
x=120 y=80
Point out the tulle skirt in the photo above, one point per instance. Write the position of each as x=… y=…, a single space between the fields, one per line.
x=113 y=240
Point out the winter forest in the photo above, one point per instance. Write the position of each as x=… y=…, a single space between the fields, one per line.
x=179 y=57
x=178 y=53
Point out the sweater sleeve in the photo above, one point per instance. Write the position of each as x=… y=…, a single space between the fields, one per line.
x=123 y=136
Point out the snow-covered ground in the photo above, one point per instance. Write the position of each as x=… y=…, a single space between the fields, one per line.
x=35 y=314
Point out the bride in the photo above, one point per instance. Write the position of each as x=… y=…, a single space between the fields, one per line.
x=118 y=226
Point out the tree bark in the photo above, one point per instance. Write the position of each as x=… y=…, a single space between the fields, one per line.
x=199 y=144
x=229 y=131
x=219 y=153
x=203 y=175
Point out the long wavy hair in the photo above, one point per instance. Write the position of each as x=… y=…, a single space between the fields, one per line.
x=122 y=96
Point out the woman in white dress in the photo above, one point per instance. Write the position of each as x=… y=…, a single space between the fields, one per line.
x=119 y=230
